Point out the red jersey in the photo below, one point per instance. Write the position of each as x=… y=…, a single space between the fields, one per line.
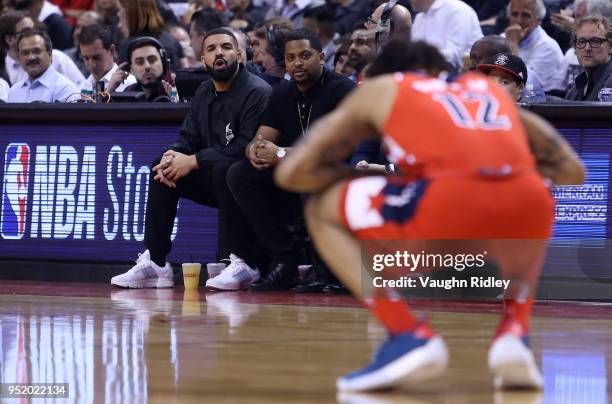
x=466 y=169
x=468 y=126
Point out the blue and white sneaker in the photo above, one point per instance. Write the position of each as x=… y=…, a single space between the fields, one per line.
x=237 y=275
x=145 y=274
x=402 y=359
x=513 y=364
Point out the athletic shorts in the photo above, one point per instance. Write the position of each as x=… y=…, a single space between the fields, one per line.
x=390 y=208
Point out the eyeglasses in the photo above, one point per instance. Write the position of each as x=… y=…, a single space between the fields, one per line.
x=594 y=42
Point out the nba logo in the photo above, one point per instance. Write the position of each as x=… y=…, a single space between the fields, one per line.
x=15 y=191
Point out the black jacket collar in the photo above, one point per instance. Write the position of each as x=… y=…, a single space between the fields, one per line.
x=597 y=74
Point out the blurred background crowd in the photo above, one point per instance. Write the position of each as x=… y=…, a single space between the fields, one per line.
x=565 y=54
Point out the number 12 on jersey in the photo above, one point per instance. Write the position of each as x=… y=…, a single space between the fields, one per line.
x=486 y=116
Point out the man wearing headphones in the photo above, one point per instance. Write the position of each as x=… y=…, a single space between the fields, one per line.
x=148 y=62
x=268 y=52
x=389 y=19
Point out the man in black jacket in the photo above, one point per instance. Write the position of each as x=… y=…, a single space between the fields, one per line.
x=593 y=42
x=225 y=113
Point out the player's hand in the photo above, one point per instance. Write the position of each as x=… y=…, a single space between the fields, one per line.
x=179 y=165
x=255 y=161
x=362 y=165
x=117 y=78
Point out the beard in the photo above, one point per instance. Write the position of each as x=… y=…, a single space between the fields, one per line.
x=357 y=63
x=22 y=4
x=152 y=85
x=223 y=75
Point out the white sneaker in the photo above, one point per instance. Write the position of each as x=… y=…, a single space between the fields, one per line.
x=513 y=364
x=237 y=275
x=145 y=274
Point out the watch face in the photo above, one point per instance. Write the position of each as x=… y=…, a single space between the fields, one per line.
x=280 y=153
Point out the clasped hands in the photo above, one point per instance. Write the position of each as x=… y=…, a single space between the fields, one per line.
x=262 y=153
x=174 y=166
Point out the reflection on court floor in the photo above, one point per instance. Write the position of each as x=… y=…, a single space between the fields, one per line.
x=133 y=346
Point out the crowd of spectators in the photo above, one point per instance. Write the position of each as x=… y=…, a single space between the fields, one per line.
x=301 y=57
x=543 y=33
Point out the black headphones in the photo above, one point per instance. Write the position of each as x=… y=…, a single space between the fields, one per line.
x=149 y=41
x=385 y=23
x=275 y=47
x=386 y=14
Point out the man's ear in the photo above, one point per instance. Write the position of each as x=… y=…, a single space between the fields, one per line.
x=322 y=57
x=240 y=56
x=9 y=39
x=113 y=50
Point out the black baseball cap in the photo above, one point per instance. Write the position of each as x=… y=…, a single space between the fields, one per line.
x=509 y=63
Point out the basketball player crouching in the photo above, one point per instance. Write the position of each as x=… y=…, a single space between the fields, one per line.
x=479 y=169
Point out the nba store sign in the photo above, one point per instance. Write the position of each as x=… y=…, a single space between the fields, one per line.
x=54 y=192
x=82 y=196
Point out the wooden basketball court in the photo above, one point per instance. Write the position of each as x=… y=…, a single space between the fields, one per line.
x=132 y=346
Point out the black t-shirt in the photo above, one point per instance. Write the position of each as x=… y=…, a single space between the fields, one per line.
x=292 y=112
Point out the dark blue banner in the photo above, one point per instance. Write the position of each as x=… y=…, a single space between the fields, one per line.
x=72 y=192
x=80 y=192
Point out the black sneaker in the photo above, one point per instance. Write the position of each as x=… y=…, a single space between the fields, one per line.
x=283 y=276
x=336 y=288
x=314 y=282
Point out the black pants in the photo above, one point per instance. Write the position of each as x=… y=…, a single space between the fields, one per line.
x=270 y=210
x=207 y=187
